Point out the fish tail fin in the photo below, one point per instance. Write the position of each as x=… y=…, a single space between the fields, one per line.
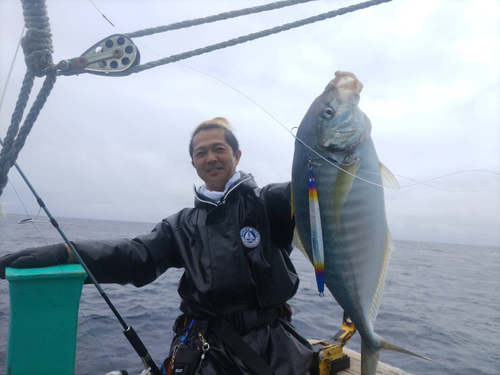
x=369 y=359
x=386 y=345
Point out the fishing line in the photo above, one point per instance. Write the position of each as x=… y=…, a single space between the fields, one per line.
x=31 y=220
x=11 y=68
x=448 y=175
x=102 y=14
x=122 y=32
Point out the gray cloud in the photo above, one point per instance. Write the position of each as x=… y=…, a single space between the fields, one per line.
x=117 y=148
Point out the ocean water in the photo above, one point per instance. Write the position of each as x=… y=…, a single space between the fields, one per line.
x=441 y=301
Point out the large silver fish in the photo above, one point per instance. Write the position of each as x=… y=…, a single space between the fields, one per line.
x=334 y=145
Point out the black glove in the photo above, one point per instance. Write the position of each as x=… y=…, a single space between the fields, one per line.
x=35 y=257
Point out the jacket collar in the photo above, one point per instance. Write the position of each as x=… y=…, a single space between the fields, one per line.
x=246 y=181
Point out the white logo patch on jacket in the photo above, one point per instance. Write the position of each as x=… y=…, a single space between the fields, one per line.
x=250 y=237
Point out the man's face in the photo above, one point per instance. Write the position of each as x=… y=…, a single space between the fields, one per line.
x=214 y=159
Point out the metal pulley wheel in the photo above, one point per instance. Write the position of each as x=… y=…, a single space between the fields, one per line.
x=112 y=56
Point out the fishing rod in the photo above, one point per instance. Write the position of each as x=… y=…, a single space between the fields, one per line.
x=150 y=367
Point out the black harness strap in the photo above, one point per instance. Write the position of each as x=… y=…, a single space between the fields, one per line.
x=243 y=320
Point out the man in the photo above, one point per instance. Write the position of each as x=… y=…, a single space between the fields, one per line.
x=234 y=246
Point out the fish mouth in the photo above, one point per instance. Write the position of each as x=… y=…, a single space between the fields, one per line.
x=339 y=140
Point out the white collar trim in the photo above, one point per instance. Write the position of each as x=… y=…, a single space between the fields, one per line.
x=216 y=196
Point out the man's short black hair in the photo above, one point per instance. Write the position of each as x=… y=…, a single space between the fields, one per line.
x=216 y=123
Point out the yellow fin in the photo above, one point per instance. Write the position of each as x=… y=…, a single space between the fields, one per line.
x=388 y=179
x=297 y=243
x=389 y=249
x=345 y=179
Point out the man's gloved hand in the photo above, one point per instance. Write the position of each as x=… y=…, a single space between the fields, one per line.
x=35 y=257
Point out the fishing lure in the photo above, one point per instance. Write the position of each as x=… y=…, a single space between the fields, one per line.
x=316 y=233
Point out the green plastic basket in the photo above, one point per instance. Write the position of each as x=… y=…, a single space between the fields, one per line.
x=43 y=319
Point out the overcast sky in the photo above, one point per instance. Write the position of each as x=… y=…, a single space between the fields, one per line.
x=116 y=148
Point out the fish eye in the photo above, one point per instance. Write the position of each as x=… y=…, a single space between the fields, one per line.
x=327 y=113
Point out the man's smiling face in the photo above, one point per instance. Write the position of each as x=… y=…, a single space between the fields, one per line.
x=214 y=159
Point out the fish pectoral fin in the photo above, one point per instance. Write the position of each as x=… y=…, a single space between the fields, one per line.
x=297 y=243
x=345 y=179
x=388 y=179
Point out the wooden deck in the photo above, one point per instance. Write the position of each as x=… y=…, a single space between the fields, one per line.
x=355 y=369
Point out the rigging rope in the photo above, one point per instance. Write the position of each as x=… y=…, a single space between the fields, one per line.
x=12 y=146
x=214 y=18
x=37 y=43
x=257 y=35
x=37 y=47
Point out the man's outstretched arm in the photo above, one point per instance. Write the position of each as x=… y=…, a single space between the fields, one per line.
x=138 y=261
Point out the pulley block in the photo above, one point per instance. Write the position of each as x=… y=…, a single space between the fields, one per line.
x=112 y=56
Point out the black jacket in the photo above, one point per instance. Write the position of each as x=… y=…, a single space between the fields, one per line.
x=222 y=274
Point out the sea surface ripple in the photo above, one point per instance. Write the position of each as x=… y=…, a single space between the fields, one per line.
x=440 y=300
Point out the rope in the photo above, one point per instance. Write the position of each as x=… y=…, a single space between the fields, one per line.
x=12 y=147
x=17 y=116
x=37 y=43
x=37 y=47
x=214 y=18
x=247 y=38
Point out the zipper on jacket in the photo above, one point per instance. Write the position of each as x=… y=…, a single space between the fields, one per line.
x=223 y=199
x=202 y=200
